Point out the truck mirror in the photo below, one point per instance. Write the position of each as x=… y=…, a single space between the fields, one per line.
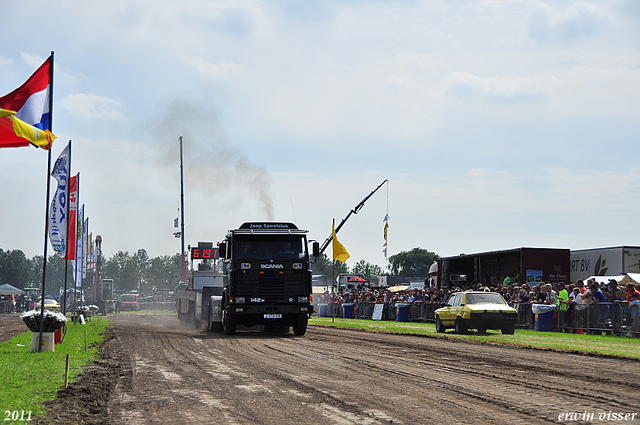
x=222 y=250
x=315 y=249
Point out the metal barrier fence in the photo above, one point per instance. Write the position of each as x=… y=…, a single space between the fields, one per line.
x=418 y=312
x=598 y=318
x=595 y=319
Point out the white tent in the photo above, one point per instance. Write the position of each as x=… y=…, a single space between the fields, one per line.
x=7 y=289
x=622 y=279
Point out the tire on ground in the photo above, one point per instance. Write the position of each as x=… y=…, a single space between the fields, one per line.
x=228 y=324
x=300 y=324
x=509 y=330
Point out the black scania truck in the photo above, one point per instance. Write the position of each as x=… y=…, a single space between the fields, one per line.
x=267 y=277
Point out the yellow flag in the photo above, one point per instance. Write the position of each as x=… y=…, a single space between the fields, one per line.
x=15 y=132
x=339 y=251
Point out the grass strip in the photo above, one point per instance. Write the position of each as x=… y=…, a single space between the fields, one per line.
x=27 y=379
x=603 y=345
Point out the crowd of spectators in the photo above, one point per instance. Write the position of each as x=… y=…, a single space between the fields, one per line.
x=608 y=301
x=14 y=303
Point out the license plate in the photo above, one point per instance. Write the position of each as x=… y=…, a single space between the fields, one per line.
x=273 y=316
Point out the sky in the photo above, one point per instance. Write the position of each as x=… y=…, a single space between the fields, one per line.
x=498 y=124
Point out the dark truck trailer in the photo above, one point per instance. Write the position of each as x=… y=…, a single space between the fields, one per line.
x=267 y=277
x=198 y=300
x=550 y=265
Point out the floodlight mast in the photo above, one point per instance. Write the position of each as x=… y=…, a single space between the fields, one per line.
x=183 y=255
x=355 y=210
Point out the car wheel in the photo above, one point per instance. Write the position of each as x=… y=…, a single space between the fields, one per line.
x=460 y=327
x=482 y=331
x=509 y=330
x=439 y=326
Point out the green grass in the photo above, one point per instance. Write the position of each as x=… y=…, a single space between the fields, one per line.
x=27 y=379
x=604 y=345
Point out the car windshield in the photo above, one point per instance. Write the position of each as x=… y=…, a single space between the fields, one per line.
x=485 y=298
x=129 y=298
x=50 y=302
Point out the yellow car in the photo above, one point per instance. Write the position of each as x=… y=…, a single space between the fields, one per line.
x=476 y=310
x=50 y=304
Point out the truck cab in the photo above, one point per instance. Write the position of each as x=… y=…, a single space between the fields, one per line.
x=130 y=302
x=267 y=278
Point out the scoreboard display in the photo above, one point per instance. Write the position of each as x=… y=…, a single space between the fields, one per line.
x=198 y=253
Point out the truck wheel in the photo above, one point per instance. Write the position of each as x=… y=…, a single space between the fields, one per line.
x=193 y=320
x=213 y=326
x=300 y=325
x=228 y=324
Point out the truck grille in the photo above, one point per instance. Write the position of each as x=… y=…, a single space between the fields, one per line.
x=272 y=287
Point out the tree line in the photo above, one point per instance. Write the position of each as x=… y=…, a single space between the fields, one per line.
x=414 y=263
x=130 y=272
x=139 y=272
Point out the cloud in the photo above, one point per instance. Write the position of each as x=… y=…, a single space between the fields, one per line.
x=91 y=106
x=510 y=89
x=581 y=20
x=33 y=60
x=5 y=61
x=213 y=70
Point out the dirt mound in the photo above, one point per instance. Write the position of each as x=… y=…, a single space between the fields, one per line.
x=86 y=400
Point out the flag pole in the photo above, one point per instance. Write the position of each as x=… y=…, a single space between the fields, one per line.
x=183 y=259
x=75 y=253
x=46 y=216
x=66 y=238
x=333 y=276
x=81 y=260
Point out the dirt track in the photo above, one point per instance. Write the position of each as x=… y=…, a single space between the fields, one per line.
x=164 y=374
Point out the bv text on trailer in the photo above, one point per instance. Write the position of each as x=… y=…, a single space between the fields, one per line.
x=610 y=261
x=532 y=264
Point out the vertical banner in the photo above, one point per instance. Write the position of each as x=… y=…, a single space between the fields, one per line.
x=85 y=244
x=77 y=263
x=73 y=222
x=90 y=261
x=58 y=211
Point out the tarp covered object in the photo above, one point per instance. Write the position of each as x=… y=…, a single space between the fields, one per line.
x=399 y=288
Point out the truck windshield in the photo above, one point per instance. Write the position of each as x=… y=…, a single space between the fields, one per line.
x=263 y=247
x=129 y=298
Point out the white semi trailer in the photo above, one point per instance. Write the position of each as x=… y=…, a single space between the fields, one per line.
x=604 y=261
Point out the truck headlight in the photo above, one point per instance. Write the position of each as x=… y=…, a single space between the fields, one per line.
x=239 y=300
x=245 y=266
x=303 y=299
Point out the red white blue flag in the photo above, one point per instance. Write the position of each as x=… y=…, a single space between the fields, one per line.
x=28 y=104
